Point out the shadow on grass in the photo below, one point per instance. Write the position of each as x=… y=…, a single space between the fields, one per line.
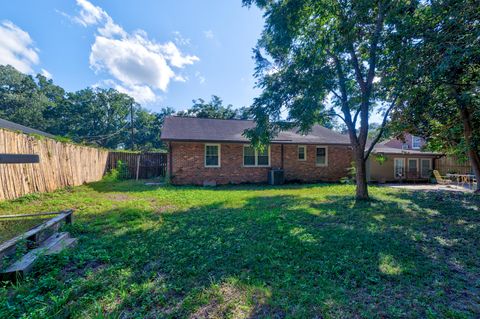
x=273 y=257
x=139 y=186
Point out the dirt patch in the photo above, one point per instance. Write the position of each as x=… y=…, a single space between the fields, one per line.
x=74 y=270
x=229 y=301
x=163 y=209
x=118 y=197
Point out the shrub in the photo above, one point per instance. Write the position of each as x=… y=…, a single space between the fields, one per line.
x=119 y=173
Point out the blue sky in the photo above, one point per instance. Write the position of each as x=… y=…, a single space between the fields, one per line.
x=164 y=53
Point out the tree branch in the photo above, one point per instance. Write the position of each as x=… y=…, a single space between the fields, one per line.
x=344 y=98
x=356 y=66
x=382 y=128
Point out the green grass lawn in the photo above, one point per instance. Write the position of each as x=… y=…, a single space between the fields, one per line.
x=306 y=251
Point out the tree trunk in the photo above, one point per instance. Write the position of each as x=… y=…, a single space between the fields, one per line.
x=360 y=174
x=472 y=149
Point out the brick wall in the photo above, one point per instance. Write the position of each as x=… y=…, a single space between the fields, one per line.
x=188 y=164
x=339 y=160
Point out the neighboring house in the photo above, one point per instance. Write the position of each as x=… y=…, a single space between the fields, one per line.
x=212 y=151
x=20 y=128
x=401 y=159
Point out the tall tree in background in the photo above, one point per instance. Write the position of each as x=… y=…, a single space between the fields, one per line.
x=442 y=102
x=148 y=128
x=20 y=99
x=322 y=58
x=214 y=109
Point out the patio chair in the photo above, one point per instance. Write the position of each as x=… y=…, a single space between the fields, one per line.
x=440 y=179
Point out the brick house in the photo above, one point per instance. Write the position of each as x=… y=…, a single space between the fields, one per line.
x=213 y=151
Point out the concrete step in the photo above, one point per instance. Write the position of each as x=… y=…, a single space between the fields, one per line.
x=54 y=244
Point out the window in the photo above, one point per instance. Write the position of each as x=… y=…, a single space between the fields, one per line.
x=404 y=146
x=321 y=156
x=416 y=142
x=254 y=157
x=412 y=165
x=425 y=167
x=212 y=155
x=302 y=153
x=399 y=167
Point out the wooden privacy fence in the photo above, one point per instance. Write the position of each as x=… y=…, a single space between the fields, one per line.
x=450 y=164
x=145 y=165
x=60 y=165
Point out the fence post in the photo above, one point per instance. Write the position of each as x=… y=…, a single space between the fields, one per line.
x=138 y=166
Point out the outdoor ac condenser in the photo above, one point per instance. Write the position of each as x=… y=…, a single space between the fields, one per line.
x=276 y=177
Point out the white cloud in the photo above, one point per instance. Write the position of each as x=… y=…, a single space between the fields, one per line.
x=138 y=64
x=46 y=74
x=16 y=48
x=208 y=34
x=141 y=93
x=200 y=77
x=180 y=39
x=89 y=13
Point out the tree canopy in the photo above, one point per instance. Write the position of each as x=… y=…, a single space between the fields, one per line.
x=320 y=59
x=215 y=109
x=441 y=101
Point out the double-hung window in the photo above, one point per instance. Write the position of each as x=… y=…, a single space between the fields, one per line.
x=254 y=157
x=302 y=153
x=321 y=158
x=212 y=155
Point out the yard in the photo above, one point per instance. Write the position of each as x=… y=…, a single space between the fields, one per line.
x=296 y=251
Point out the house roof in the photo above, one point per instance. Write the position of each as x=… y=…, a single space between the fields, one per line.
x=17 y=127
x=217 y=130
x=382 y=148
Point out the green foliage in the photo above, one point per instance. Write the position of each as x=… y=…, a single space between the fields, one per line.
x=351 y=174
x=292 y=251
x=117 y=174
x=215 y=109
x=321 y=59
x=93 y=116
x=380 y=158
x=441 y=101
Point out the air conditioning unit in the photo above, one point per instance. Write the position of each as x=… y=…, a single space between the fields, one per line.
x=276 y=177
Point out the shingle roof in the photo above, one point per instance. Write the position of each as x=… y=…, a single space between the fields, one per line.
x=215 y=130
x=17 y=127
x=382 y=148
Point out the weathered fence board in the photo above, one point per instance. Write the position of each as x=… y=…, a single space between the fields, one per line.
x=60 y=165
x=450 y=164
x=144 y=165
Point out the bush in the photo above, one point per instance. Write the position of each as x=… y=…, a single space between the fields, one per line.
x=119 y=173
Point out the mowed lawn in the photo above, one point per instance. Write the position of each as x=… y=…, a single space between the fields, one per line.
x=296 y=251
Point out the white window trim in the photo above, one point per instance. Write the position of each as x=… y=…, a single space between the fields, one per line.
x=219 y=156
x=395 y=167
x=256 y=157
x=304 y=153
x=326 y=156
x=413 y=159
x=413 y=144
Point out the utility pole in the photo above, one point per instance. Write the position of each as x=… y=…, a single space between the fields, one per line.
x=131 y=125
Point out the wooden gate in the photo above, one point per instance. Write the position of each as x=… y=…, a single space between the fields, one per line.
x=140 y=165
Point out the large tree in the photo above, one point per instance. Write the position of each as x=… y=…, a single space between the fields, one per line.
x=214 y=109
x=322 y=58
x=20 y=99
x=442 y=101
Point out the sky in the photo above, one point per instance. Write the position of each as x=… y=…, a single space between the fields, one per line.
x=161 y=52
